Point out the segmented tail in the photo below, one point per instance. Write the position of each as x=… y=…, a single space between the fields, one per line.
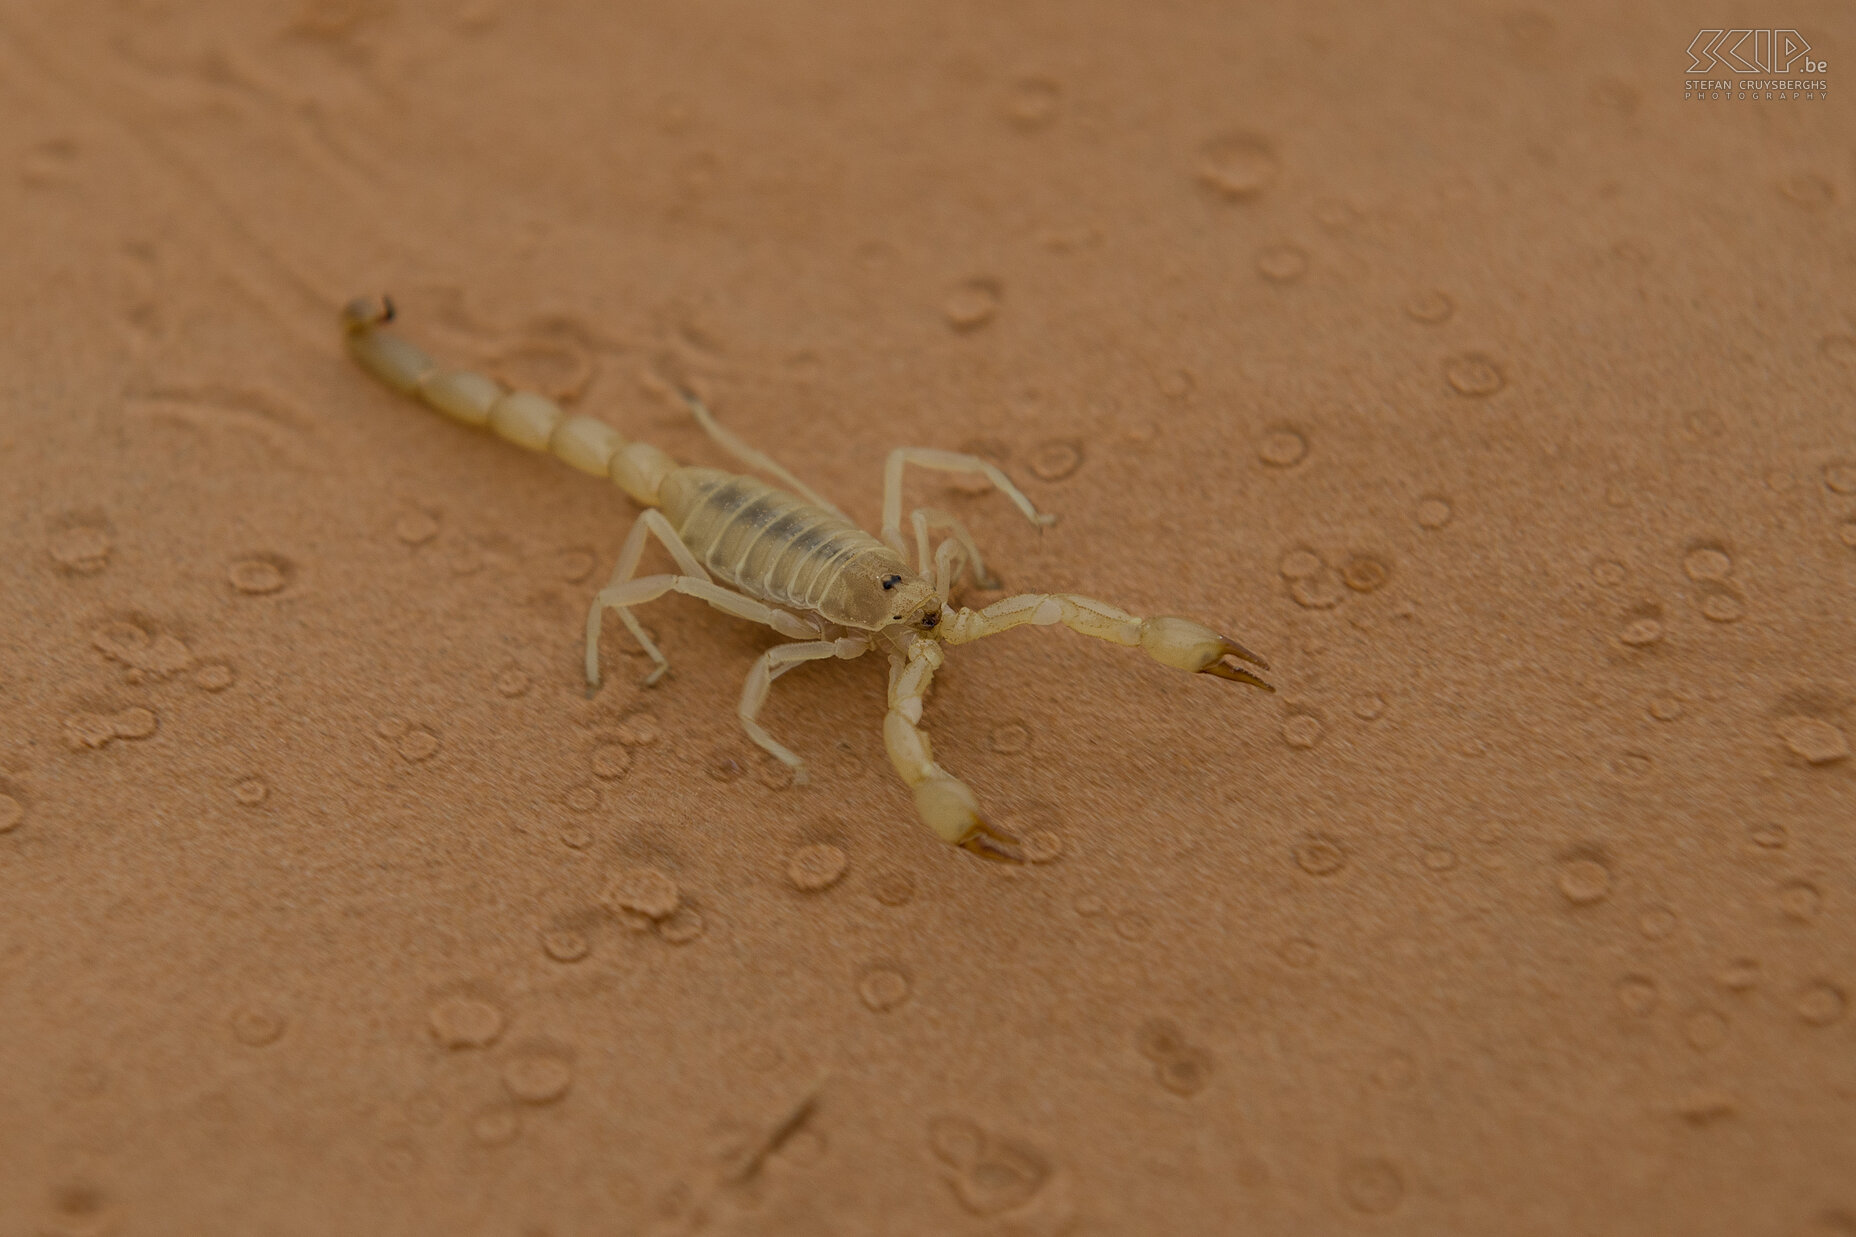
x=523 y=417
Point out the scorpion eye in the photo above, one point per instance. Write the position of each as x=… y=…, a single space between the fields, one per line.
x=929 y=620
x=890 y=582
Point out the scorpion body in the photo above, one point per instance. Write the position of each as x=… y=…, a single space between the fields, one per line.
x=780 y=548
x=790 y=560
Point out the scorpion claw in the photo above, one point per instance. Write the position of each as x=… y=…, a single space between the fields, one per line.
x=1223 y=670
x=1233 y=649
x=1186 y=645
x=994 y=844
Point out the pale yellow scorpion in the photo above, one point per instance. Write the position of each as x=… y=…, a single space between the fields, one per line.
x=793 y=562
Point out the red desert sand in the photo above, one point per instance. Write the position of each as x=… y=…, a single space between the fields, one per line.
x=1488 y=370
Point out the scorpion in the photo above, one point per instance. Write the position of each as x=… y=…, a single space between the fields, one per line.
x=790 y=560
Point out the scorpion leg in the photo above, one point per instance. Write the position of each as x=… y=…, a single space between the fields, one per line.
x=752 y=456
x=942 y=461
x=651 y=523
x=1177 y=642
x=775 y=662
x=623 y=592
x=926 y=518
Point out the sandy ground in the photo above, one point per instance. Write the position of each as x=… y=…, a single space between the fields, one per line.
x=1444 y=354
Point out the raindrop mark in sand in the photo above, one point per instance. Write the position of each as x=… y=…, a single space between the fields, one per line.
x=610 y=761
x=1637 y=995
x=892 y=887
x=214 y=676
x=1840 y=477
x=512 y=681
x=724 y=765
x=538 y=1075
x=1336 y=214
x=1282 y=263
x=1433 y=513
x=97 y=730
x=1721 y=603
x=1807 y=189
x=1643 y=627
x=1299 y=954
x=1846 y=533
x=415 y=528
x=1177 y=383
x=1320 y=856
x=250 y=792
x=638 y=729
x=1474 y=375
x=12 y=813
x=1039 y=829
x=1181 y=1067
x=1365 y=573
x=1702 y=1108
x=1665 y=708
x=645 y=891
x=682 y=926
x=1799 y=901
x=973 y=304
x=147 y=654
x=1657 y=923
x=1238 y=165
x=1010 y=738
x=256 y=1026
x=1369 y=708
x=1371 y=1186
x=1769 y=837
x=1584 y=881
x=260 y=575
x=1301 y=731
x=883 y=988
x=816 y=867
x=1282 y=447
x=459 y=1022
x=1032 y=102
x=1056 y=459
x=1432 y=308
x=1812 y=739
x=1041 y=845
x=417 y=745
x=1609 y=573
x=1738 y=974
x=1704 y=425
x=565 y=944
x=1439 y=858
x=988 y=1174
x=495 y=1125
x=1707 y=560
x=80 y=546
x=1312 y=583
x=560 y=371
x=1819 y=1004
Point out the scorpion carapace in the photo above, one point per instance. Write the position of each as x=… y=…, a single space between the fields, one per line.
x=788 y=559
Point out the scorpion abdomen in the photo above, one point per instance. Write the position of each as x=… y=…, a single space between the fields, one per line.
x=780 y=548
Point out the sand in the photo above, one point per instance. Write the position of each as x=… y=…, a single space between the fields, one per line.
x=1443 y=353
